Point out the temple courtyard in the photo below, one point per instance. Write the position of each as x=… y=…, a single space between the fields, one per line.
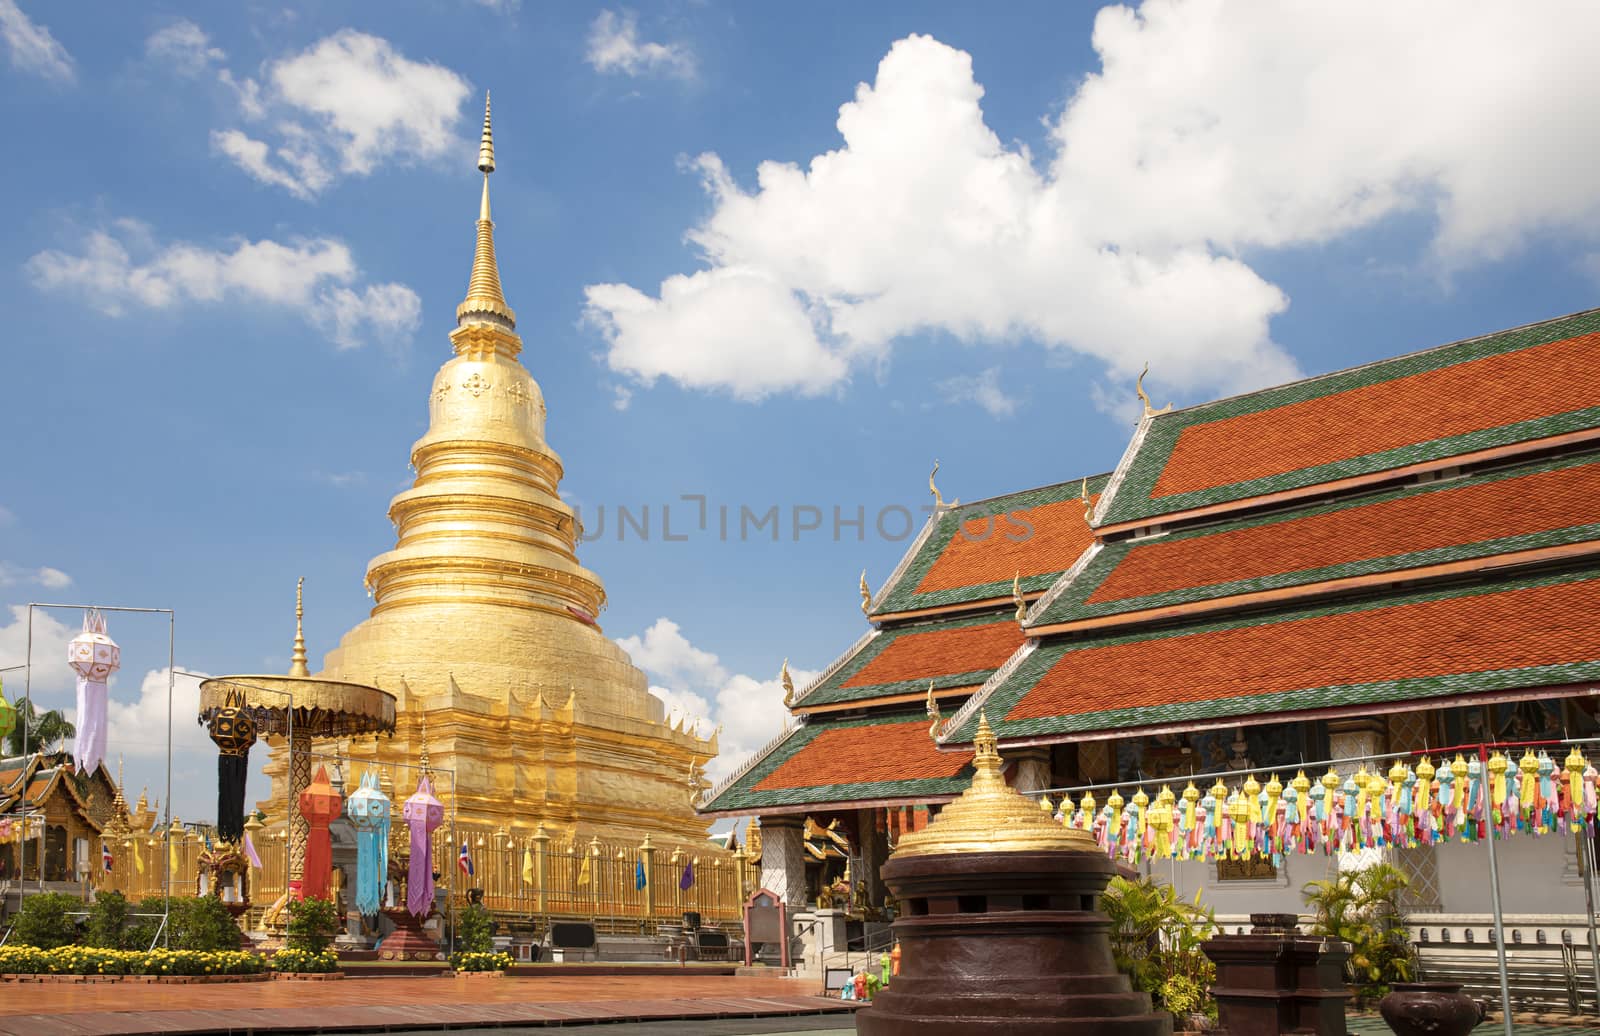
x=706 y=1003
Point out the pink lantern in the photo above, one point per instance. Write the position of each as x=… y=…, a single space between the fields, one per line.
x=423 y=814
x=94 y=657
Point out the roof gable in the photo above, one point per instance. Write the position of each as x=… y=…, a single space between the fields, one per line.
x=970 y=553
x=1528 y=633
x=1516 y=386
x=904 y=659
x=1526 y=508
x=841 y=761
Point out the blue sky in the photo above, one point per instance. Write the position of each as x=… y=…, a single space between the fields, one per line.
x=236 y=235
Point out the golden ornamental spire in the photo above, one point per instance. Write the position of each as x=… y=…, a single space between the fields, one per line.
x=485 y=303
x=297 y=661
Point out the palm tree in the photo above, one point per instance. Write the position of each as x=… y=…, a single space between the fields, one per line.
x=44 y=729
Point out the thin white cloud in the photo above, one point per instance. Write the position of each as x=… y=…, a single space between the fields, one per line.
x=7 y=516
x=344 y=106
x=50 y=637
x=1210 y=129
x=45 y=576
x=53 y=578
x=694 y=685
x=31 y=47
x=615 y=48
x=983 y=389
x=501 y=6
x=316 y=277
x=183 y=48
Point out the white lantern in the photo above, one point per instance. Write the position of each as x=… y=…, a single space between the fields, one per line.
x=94 y=657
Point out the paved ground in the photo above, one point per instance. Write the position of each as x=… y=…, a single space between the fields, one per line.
x=410 y=1005
x=825 y=1026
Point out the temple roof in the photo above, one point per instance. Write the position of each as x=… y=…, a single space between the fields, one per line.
x=844 y=763
x=1408 y=532
x=1519 y=389
x=902 y=660
x=968 y=555
x=1397 y=649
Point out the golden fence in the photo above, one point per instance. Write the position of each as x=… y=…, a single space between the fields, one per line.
x=525 y=877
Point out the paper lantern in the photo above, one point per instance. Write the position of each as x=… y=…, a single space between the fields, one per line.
x=368 y=810
x=423 y=814
x=94 y=657
x=320 y=805
x=8 y=714
x=234 y=732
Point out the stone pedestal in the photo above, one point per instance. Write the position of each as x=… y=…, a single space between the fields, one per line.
x=408 y=941
x=832 y=929
x=1006 y=943
x=1275 y=980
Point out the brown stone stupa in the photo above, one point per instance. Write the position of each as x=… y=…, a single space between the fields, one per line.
x=999 y=928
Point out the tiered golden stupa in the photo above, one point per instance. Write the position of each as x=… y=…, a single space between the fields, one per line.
x=484 y=625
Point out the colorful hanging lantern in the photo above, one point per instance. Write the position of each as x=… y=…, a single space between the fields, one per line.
x=8 y=714
x=234 y=731
x=320 y=805
x=423 y=814
x=94 y=657
x=368 y=810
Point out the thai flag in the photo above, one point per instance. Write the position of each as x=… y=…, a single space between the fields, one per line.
x=106 y=859
x=464 y=861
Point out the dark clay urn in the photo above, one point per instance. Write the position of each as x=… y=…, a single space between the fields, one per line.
x=1430 y=1009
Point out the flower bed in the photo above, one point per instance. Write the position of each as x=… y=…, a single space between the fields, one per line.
x=481 y=963
x=98 y=963
x=290 y=961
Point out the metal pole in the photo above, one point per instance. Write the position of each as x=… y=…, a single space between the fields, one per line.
x=166 y=901
x=1499 y=920
x=1586 y=854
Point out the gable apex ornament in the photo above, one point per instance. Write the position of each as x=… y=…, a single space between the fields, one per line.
x=933 y=714
x=938 y=499
x=866 y=595
x=788 y=684
x=1138 y=386
x=1016 y=599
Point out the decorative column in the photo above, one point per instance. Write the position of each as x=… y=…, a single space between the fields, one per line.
x=541 y=864
x=647 y=853
x=1352 y=738
x=299 y=827
x=783 y=859
x=1032 y=769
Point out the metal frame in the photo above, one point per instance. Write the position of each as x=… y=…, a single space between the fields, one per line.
x=27 y=696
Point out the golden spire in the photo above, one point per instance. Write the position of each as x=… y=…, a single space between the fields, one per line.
x=485 y=303
x=297 y=661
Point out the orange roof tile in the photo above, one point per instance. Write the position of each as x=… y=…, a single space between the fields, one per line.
x=1488 y=392
x=1538 y=625
x=856 y=755
x=1042 y=539
x=1422 y=521
x=941 y=652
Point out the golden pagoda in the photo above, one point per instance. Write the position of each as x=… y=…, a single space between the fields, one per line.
x=485 y=626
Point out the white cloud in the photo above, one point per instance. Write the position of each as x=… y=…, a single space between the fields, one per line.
x=1211 y=128
x=983 y=389
x=53 y=578
x=31 y=46
x=47 y=577
x=345 y=105
x=7 y=516
x=313 y=276
x=184 y=48
x=50 y=637
x=693 y=684
x=614 y=46
x=501 y=6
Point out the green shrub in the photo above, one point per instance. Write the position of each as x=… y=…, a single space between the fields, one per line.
x=1363 y=909
x=1155 y=940
x=312 y=925
x=108 y=922
x=43 y=921
x=290 y=960
x=475 y=930
x=202 y=924
x=479 y=961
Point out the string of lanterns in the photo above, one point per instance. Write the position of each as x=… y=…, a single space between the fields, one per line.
x=1460 y=800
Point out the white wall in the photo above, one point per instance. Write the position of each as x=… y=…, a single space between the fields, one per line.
x=1280 y=895
x=1537 y=876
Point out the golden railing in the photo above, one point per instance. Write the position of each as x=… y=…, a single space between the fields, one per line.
x=525 y=877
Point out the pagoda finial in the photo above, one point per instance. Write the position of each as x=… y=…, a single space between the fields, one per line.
x=297 y=661
x=423 y=753
x=485 y=303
